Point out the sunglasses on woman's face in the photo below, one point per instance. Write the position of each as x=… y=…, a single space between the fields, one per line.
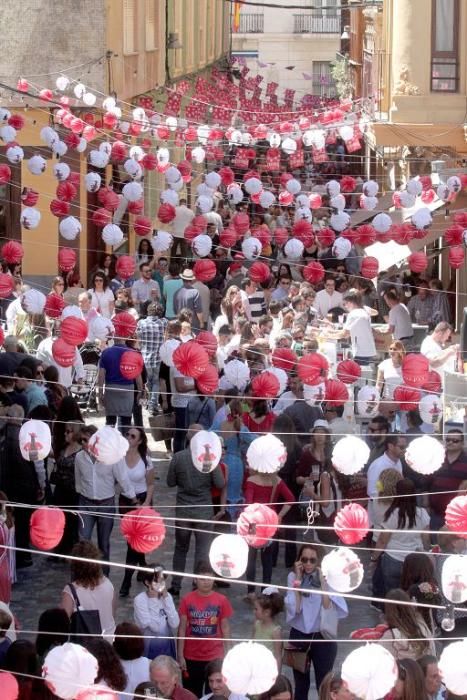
x=308 y=560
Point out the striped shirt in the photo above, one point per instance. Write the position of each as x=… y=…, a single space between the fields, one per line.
x=150 y=333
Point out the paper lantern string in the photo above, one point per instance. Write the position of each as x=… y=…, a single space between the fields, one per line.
x=311 y=514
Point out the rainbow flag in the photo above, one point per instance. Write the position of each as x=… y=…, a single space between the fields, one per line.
x=236 y=15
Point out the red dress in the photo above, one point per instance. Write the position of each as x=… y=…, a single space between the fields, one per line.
x=264 y=427
x=256 y=493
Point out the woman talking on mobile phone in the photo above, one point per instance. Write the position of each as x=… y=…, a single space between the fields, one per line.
x=305 y=606
x=155 y=613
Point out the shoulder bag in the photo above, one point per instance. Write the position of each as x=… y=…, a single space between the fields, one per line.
x=296 y=655
x=82 y=622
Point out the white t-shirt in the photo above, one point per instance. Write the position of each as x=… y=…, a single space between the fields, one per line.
x=183 y=217
x=101 y=301
x=377 y=508
x=405 y=539
x=399 y=318
x=324 y=302
x=392 y=377
x=137 y=475
x=431 y=349
x=180 y=400
x=358 y=324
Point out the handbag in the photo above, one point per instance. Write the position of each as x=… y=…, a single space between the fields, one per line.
x=328 y=620
x=162 y=426
x=297 y=657
x=82 y=622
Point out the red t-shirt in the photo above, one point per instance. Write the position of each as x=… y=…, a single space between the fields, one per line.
x=256 y=493
x=204 y=615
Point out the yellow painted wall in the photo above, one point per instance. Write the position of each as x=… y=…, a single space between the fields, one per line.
x=41 y=244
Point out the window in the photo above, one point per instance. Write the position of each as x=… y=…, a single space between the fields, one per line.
x=323 y=82
x=129 y=26
x=151 y=24
x=445 y=46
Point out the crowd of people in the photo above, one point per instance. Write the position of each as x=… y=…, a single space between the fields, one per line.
x=174 y=646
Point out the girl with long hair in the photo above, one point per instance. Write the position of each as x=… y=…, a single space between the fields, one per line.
x=418 y=580
x=260 y=419
x=390 y=371
x=284 y=429
x=334 y=688
x=63 y=476
x=407 y=636
x=410 y=684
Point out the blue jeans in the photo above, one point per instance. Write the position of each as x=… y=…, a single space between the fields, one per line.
x=104 y=525
x=391 y=570
x=152 y=381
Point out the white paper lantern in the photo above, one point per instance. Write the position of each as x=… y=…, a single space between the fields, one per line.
x=89 y=99
x=49 y=136
x=266 y=454
x=341 y=248
x=338 y=202
x=61 y=171
x=453 y=667
x=289 y=145
x=133 y=168
x=167 y=350
x=37 y=165
x=308 y=138
x=35 y=440
x=333 y=188
x=203 y=189
x=454 y=184
x=443 y=192
x=350 y=454
x=92 y=182
x=237 y=373
x=422 y=218
x=79 y=91
x=109 y=104
x=414 y=187
x=108 y=445
x=132 y=191
x=370 y=672
x=266 y=199
x=407 y=200
x=172 y=123
x=177 y=186
x=293 y=186
x=281 y=376
x=206 y=450
x=253 y=185
x=69 y=669
x=370 y=188
x=62 y=83
x=368 y=203
x=169 y=197
x=294 y=248
x=228 y=556
x=202 y=245
x=30 y=218
x=203 y=132
x=98 y=159
x=236 y=137
x=7 y=133
x=368 y=399
x=346 y=132
x=72 y=310
x=303 y=200
x=234 y=194
x=204 y=204
x=339 y=221
x=274 y=139
x=33 y=301
x=382 y=222
x=100 y=328
x=172 y=174
x=15 y=154
x=213 y=180
x=342 y=569
x=425 y=454
x=303 y=213
x=163 y=155
x=69 y=228
x=162 y=242
x=5 y=114
x=198 y=154
x=249 y=668
x=112 y=234
x=454 y=578
x=251 y=248
x=430 y=408
x=82 y=145
x=247 y=139
x=59 y=149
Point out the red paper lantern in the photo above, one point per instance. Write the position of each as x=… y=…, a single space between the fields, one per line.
x=29 y=197
x=228 y=237
x=265 y=385
x=2 y=336
x=135 y=207
x=63 y=353
x=54 y=305
x=66 y=259
x=281 y=236
x=366 y=235
x=59 y=207
x=125 y=266
x=348 y=371
x=454 y=235
x=166 y=213
x=208 y=341
x=348 y=184
x=143 y=529
x=124 y=324
x=101 y=217
x=142 y=225
x=407 y=398
x=131 y=364
x=149 y=161
x=227 y=176
x=205 y=270
x=241 y=223
x=7 y=285
x=259 y=272
x=119 y=151
x=74 y=330
x=257 y=523
x=302 y=229
x=190 y=233
x=313 y=272
x=370 y=268
x=12 y=252
x=415 y=368
x=456 y=257
x=351 y=523
x=9 y=686
x=109 y=120
x=418 y=262
x=433 y=383
x=66 y=191
x=335 y=392
x=5 y=174
x=46 y=527
x=284 y=358
x=312 y=368
x=208 y=382
x=325 y=237
x=111 y=200
x=456 y=515
x=191 y=359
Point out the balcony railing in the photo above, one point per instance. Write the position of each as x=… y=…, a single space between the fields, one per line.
x=317 y=23
x=250 y=24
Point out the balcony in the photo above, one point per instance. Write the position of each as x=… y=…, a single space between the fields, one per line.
x=317 y=23
x=250 y=24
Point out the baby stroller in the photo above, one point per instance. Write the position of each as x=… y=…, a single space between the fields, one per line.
x=86 y=393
